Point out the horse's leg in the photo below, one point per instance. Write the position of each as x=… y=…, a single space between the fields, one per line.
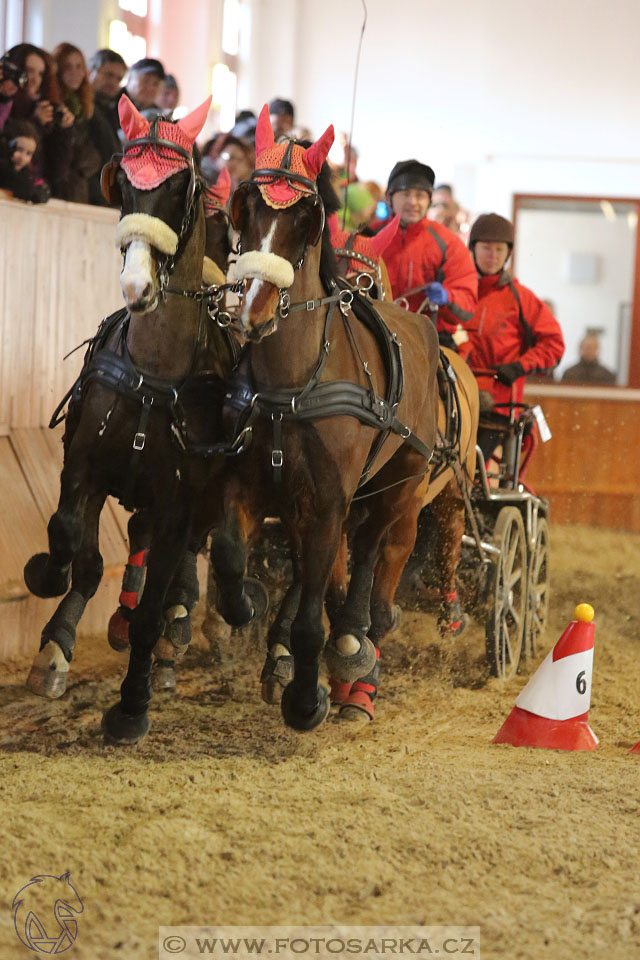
x=127 y=721
x=383 y=543
x=449 y=513
x=305 y=704
x=334 y=602
x=48 y=676
x=182 y=597
x=139 y=531
x=278 y=666
x=49 y=574
x=240 y=599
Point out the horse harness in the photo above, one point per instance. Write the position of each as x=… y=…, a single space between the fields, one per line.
x=114 y=369
x=246 y=398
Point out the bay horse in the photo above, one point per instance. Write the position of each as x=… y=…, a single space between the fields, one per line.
x=332 y=401
x=144 y=422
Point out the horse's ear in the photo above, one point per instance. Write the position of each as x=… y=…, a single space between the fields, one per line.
x=109 y=183
x=192 y=124
x=264 y=132
x=238 y=208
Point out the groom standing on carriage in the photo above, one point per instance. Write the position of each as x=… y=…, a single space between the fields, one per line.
x=427 y=263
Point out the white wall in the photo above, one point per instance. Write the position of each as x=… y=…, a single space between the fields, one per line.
x=482 y=91
x=544 y=242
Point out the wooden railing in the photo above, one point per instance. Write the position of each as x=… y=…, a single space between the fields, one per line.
x=59 y=275
x=590 y=469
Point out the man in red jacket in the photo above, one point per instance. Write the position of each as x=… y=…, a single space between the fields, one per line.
x=512 y=332
x=427 y=261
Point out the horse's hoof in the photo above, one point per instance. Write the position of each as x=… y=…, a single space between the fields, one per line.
x=122 y=730
x=118 y=632
x=396 y=617
x=451 y=618
x=49 y=672
x=257 y=593
x=349 y=667
x=304 y=721
x=276 y=674
x=163 y=677
x=357 y=708
x=170 y=646
x=45 y=580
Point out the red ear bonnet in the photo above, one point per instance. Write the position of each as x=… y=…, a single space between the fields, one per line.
x=270 y=155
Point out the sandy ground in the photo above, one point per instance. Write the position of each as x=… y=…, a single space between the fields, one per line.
x=222 y=815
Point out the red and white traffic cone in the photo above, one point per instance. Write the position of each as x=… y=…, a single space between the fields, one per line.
x=553 y=708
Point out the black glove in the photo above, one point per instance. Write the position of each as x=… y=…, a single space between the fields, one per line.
x=508 y=373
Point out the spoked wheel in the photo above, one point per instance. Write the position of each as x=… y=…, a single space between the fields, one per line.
x=538 y=591
x=507 y=596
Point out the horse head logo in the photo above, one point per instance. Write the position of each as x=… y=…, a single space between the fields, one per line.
x=43 y=914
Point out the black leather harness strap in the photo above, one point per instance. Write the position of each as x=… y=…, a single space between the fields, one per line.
x=335 y=398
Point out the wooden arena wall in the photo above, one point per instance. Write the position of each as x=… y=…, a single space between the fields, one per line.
x=590 y=469
x=59 y=275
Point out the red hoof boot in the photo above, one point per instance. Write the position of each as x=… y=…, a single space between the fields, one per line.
x=451 y=620
x=118 y=631
x=339 y=691
x=357 y=707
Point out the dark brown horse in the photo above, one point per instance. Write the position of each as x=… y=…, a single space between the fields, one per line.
x=183 y=592
x=322 y=398
x=144 y=423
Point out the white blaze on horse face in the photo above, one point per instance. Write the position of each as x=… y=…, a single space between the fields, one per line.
x=136 y=280
x=256 y=285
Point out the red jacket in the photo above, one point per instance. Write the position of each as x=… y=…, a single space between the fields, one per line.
x=425 y=252
x=499 y=333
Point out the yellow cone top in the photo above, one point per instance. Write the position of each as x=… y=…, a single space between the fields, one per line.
x=584 y=612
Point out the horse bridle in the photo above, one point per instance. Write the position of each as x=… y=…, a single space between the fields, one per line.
x=264 y=176
x=135 y=148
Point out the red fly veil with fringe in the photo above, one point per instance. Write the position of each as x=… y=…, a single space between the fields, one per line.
x=280 y=193
x=147 y=168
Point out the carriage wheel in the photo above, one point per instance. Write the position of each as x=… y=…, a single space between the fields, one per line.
x=538 y=591
x=507 y=597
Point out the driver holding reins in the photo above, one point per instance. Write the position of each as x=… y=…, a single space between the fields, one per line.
x=427 y=262
x=512 y=332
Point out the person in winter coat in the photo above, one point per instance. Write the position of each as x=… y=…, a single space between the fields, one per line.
x=92 y=139
x=426 y=260
x=39 y=102
x=107 y=70
x=512 y=332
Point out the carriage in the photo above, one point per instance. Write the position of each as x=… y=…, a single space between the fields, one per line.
x=505 y=557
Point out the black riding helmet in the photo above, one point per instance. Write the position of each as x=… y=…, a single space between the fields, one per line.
x=411 y=175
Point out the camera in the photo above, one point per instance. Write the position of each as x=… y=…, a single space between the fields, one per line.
x=58 y=115
x=11 y=71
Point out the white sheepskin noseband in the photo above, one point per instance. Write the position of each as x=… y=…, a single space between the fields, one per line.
x=141 y=226
x=256 y=265
x=211 y=273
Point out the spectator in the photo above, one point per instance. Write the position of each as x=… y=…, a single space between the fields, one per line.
x=39 y=102
x=589 y=369
x=360 y=204
x=443 y=208
x=144 y=84
x=225 y=150
x=282 y=116
x=106 y=73
x=169 y=95
x=245 y=125
x=92 y=141
x=11 y=79
x=17 y=149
